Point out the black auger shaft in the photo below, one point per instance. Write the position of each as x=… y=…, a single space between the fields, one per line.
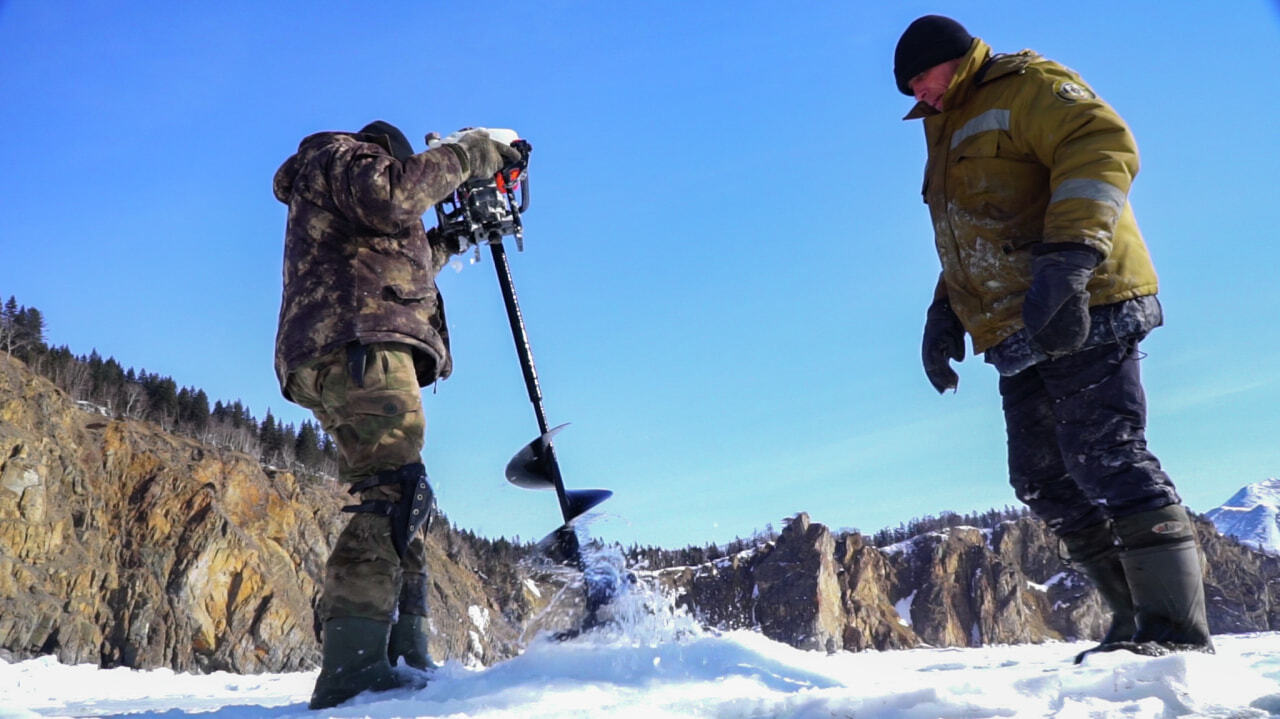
x=521 y=337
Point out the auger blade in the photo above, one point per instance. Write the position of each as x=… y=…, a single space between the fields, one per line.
x=561 y=547
x=531 y=466
x=581 y=501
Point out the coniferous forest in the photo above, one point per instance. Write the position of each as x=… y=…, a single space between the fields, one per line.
x=107 y=387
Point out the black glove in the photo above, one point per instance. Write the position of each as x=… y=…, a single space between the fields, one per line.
x=943 y=341
x=486 y=156
x=1056 y=307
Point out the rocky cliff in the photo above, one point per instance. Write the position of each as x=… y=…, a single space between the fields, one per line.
x=123 y=545
x=961 y=587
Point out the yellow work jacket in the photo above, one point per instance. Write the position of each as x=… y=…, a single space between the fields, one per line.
x=1025 y=152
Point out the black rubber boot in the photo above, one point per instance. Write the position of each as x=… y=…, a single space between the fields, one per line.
x=1162 y=565
x=354 y=661
x=1094 y=552
x=409 y=642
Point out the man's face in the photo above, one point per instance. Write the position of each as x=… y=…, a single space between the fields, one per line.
x=930 y=85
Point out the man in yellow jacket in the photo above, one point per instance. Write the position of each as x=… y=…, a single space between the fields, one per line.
x=1027 y=184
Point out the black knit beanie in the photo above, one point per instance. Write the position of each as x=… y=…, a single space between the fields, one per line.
x=930 y=40
x=399 y=144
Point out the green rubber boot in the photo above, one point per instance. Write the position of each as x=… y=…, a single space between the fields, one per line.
x=1094 y=552
x=409 y=642
x=1162 y=565
x=354 y=661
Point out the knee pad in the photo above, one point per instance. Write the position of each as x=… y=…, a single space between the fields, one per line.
x=414 y=509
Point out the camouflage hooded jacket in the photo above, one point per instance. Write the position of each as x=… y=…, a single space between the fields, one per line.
x=358 y=264
x=1026 y=153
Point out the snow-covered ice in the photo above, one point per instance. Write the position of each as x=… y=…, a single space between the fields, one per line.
x=651 y=660
x=736 y=675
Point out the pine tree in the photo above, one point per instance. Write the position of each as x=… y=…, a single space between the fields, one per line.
x=29 y=333
x=198 y=413
x=162 y=399
x=307 y=447
x=239 y=417
x=288 y=439
x=330 y=451
x=9 y=324
x=270 y=437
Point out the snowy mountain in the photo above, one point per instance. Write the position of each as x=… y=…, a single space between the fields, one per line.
x=1252 y=516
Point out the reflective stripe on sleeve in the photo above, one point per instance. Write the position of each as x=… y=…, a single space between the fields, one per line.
x=1095 y=190
x=989 y=120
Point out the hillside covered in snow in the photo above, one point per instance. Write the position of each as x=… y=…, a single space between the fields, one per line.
x=1252 y=516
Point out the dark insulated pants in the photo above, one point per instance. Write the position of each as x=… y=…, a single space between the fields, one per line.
x=1077 y=439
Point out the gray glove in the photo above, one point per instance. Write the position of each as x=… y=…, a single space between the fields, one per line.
x=485 y=157
x=1056 y=307
x=943 y=341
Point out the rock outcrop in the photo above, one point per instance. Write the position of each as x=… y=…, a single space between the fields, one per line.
x=867 y=581
x=121 y=544
x=797 y=591
x=960 y=587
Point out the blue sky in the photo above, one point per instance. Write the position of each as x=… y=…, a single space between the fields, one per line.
x=727 y=261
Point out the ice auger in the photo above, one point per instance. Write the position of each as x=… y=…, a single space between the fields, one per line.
x=483 y=212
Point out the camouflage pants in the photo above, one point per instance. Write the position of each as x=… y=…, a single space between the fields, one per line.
x=377 y=426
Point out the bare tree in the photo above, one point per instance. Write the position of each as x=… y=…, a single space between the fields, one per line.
x=76 y=380
x=135 y=400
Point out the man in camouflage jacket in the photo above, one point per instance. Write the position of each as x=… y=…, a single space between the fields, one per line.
x=1027 y=183
x=361 y=329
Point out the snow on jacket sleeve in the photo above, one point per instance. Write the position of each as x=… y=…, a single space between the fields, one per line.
x=1090 y=152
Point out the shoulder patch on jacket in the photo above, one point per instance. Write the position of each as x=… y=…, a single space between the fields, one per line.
x=1005 y=64
x=1071 y=92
